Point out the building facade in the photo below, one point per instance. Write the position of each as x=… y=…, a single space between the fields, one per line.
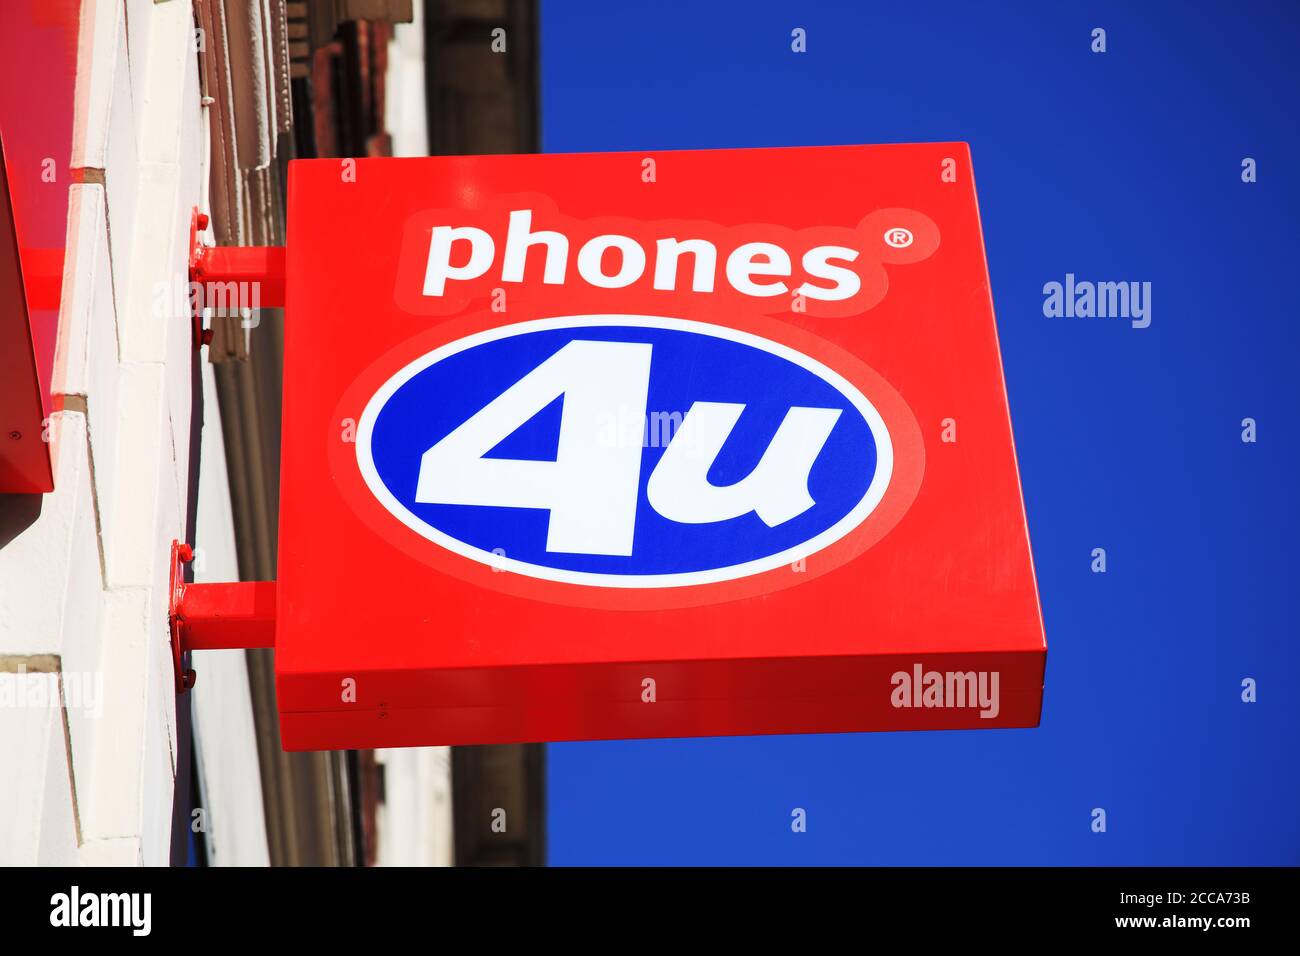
x=174 y=109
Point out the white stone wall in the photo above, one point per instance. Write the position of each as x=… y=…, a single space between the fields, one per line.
x=83 y=586
x=414 y=823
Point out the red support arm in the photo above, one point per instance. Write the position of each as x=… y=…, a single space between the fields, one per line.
x=218 y=617
x=260 y=265
x=43 y=274
x=213 y=617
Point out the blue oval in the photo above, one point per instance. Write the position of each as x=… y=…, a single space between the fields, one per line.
x=690 y=362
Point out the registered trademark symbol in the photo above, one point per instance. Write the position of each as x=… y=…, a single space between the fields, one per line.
x=898 y=237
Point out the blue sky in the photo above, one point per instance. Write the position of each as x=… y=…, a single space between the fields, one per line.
x=1117 y=166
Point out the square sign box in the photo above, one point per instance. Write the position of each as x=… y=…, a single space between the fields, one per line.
x=646 y=445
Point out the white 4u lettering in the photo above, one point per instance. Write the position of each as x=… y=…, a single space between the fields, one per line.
x=776 y=490
x=591 y=488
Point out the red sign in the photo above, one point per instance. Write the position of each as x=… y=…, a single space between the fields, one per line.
x=629 y=445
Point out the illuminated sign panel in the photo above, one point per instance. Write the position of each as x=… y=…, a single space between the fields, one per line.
x=625 y=445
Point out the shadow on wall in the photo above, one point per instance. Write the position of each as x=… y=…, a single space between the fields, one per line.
x=17 y=514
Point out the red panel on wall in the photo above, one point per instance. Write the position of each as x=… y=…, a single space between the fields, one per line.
x=38 y=52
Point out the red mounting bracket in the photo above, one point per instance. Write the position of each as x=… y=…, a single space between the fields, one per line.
x=198 y=224
x=229 y=272
x=210 y=617
x=236 y=615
